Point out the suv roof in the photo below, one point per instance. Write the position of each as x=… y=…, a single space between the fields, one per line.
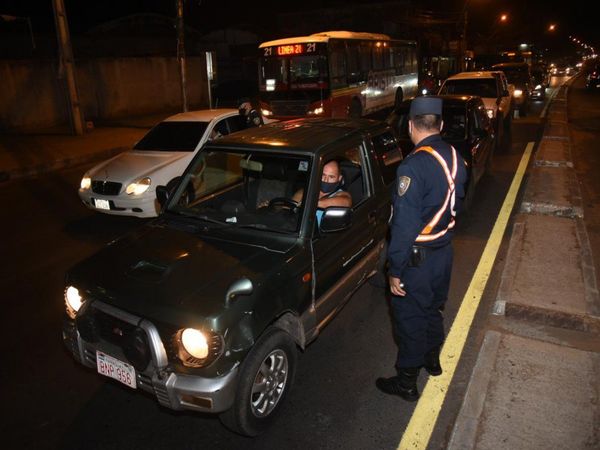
x=479 y=74
x=304 y=135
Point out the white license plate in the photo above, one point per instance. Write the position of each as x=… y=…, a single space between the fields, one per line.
x=114 y=368
x=101 y=204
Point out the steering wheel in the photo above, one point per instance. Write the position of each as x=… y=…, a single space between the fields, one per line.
x=284 y=202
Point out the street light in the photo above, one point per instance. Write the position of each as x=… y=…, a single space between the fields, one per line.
x=552 y=27
x=503 y=17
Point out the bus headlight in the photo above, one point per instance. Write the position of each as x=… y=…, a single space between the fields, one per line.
x=139 y=187
x=73 y=301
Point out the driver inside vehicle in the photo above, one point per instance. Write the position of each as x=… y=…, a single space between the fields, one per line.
x=331 y=192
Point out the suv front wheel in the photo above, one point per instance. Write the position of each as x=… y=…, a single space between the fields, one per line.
x=265 y=378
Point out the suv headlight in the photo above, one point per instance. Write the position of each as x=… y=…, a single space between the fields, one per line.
x=139 y=187
x=196 y=348
x=73 y=301
x=86 y=182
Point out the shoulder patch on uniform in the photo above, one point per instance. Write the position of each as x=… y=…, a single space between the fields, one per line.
x=403 y=184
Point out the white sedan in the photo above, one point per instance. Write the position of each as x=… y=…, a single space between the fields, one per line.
x=126 y=184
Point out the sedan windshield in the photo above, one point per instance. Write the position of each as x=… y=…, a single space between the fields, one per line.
x=239 y=189
x=173 y=136
x=483 y=87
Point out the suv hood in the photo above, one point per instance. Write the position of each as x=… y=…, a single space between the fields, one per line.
x=168 y=274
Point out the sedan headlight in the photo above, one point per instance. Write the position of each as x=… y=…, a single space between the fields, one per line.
x=139 y=187
x=86 y=182
x=490 y=113
x=266 y=112
x=518 y=93
x=316 y=111
x=196 y=348
x=73 y=301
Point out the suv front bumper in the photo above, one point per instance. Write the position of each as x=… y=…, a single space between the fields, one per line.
x=173 y=390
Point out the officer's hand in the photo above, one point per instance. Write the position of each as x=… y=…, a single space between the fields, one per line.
x=396 y=287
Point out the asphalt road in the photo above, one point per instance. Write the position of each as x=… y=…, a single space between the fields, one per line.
x=49 y=401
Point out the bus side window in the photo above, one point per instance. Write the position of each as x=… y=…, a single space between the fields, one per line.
x=352 y=62
x=337 y=64
x=399 y=57
x=364 y=52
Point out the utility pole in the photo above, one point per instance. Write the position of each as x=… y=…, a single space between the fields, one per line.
x=464 y=37
x=181 y=54
x=67 y=65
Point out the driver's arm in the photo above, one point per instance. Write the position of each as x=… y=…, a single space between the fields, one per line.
x=297 y=197
x=343 y=199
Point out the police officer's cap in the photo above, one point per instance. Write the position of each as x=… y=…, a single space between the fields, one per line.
x=421 y=106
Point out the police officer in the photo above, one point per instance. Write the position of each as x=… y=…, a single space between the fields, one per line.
x=251 y=117
x=430 y=187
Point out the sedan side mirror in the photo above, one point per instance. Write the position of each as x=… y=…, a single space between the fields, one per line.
x=336 y=218
x=162 y=195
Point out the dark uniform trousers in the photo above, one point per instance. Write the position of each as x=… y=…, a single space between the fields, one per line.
x=418 y=317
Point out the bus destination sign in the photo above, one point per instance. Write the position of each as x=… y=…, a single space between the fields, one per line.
x=291 y=49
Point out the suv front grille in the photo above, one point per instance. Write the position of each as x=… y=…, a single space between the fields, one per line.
x=106 y=187
x=131 y=339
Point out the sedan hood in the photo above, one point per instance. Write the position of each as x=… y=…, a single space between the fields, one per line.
x=132 y=165
x=167 y=274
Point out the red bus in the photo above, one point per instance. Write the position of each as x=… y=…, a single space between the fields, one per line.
x=335 y=74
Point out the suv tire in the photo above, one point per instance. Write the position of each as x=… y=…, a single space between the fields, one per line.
x=265 y=377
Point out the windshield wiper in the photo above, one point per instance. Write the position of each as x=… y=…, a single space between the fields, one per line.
x=261 y=226
x=202 y=217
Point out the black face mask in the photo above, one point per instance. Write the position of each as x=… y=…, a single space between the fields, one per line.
x=328 y=188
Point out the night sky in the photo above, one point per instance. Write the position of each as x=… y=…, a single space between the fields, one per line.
x=528 y=18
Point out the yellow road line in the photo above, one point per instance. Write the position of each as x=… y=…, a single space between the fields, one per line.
x=419 y=429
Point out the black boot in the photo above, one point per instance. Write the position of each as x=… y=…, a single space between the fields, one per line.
x=404 y=384
x=432 y=362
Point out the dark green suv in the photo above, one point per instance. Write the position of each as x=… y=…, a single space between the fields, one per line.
x=205 y=307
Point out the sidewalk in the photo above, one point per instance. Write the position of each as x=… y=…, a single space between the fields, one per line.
x=536 y=382
x=29 y=155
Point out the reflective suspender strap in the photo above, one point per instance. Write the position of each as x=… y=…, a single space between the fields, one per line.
x=425 y=235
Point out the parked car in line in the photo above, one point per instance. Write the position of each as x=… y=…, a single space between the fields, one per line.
x=126 y=184
x=204 y=307
x=592 y=79
x=518 y=74
x=494 y=90
x=539 y=78
x=466 y=126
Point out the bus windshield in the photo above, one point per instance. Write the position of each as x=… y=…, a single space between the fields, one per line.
x=296 y=72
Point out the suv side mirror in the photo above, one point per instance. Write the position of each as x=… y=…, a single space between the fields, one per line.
x=336 y=218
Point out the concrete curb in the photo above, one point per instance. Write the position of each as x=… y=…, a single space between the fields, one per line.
x=59 y=164
x=464 y=433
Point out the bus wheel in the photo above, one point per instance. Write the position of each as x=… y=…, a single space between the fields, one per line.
x=399 y=97
x=355 y=110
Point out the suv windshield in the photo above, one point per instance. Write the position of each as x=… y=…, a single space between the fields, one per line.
x=173 y=136
x=483 y=87
x=243 y=189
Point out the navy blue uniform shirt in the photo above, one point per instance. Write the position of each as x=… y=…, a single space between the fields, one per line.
x=422 y=199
